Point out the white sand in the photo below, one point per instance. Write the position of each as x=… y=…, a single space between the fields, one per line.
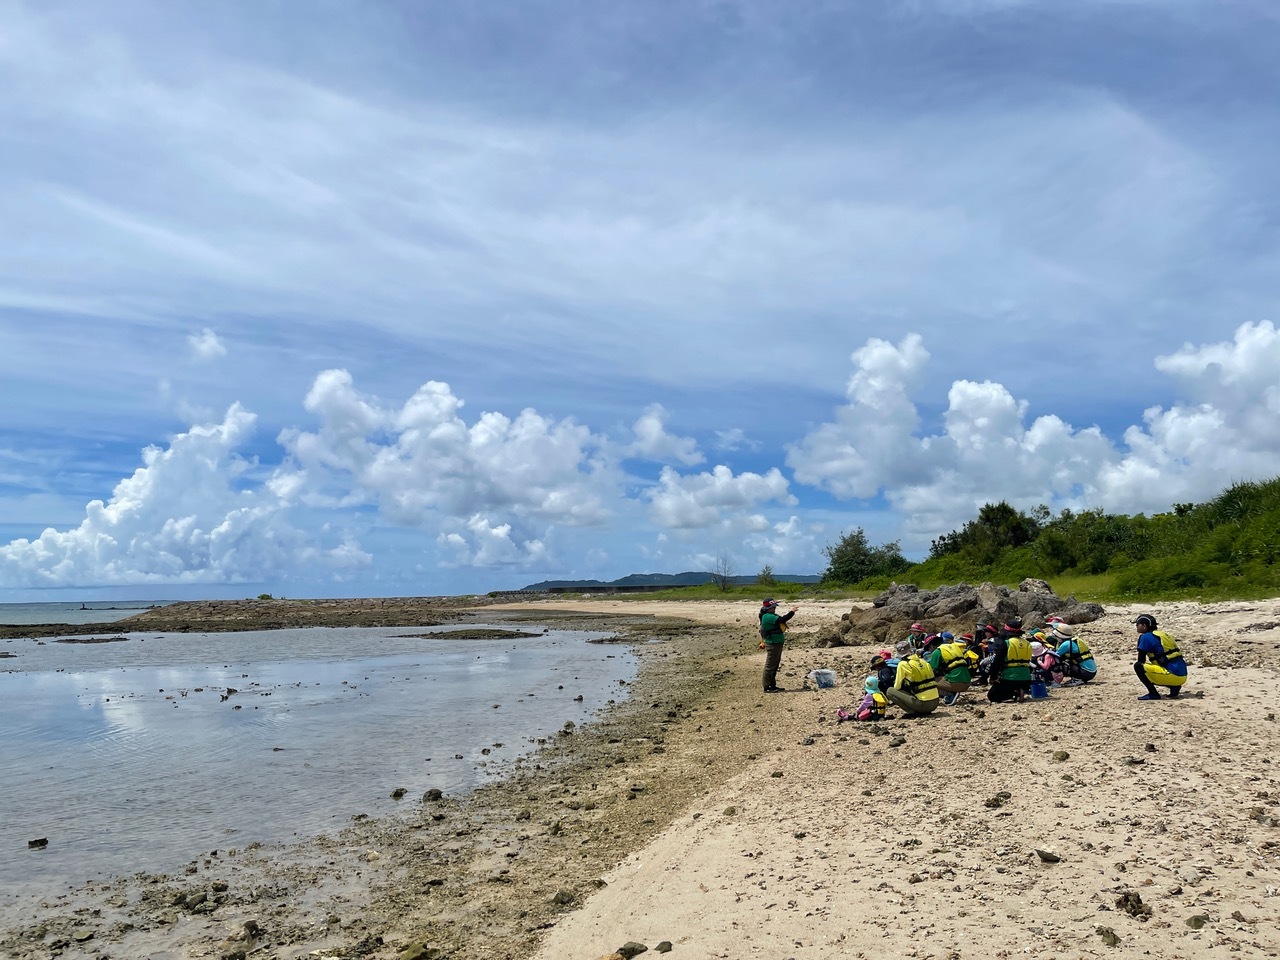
x=827 y=846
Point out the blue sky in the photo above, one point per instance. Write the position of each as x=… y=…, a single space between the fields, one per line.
x=320 y=298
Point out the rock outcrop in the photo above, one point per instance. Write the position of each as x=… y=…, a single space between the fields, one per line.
x=956 y=608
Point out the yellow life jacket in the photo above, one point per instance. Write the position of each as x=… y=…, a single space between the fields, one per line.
x=1078 y=651
x=1017 y=652
x=918 y=679
x=1171 y=652
x=953 y=655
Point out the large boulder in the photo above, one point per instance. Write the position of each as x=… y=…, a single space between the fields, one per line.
x=957 y=608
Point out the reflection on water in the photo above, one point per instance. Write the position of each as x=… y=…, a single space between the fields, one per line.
x=135 y=755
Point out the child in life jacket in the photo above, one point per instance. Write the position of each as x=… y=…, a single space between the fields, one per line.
x=872 y=705
x=1045 y=665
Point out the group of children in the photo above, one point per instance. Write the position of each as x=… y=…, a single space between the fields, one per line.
x=926 y=670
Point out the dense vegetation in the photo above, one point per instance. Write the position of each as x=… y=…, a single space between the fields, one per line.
x=1227 y=547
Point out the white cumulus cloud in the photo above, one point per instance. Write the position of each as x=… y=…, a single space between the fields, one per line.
x=185 y=516
x=709 y=498
x=988 y=452
x=653 y=442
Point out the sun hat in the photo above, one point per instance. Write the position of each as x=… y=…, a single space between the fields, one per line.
x=872 y=685
x=1062 y=631
x=917 y=628
x=769 y=603
x=1037 y=648
x=879 y=660
x=1054 y=618
x=903 y=647
x=967 y=637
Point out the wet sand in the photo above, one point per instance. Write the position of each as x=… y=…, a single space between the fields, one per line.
x=728 y=823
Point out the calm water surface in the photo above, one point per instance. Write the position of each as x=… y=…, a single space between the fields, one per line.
x=133 y=755
x=92 y=611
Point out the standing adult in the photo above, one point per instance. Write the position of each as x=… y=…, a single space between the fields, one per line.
x=914 y=688
x=1160 y=662
x=773 y=630
x=1010 y=669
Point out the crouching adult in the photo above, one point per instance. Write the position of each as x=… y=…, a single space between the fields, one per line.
x=1160 y=662
x=949 y=659
x=1078 y=665
x=1010 y=664
x=914 y=688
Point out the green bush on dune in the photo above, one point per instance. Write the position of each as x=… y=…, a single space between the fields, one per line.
x=1228 y=547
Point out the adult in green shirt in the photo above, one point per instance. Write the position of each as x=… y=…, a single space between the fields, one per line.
x=1011 y=666
x=949 y=659
x=773 y=630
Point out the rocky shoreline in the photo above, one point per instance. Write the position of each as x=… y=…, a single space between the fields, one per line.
x=704 y=817
x=474 y=877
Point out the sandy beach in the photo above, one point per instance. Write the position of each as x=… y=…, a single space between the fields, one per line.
x=704 y=816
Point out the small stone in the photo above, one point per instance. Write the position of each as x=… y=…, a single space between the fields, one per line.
x=1198 y=921
x=1048 y=856
x=432 y=795
x=398 y=793
x=563 y=898
x=663 y=947
x=420 y=951
x=730 y=811
x=1131 y=903
x=776 y=774
x=38 y=844
x=1061 y=755
x=632 y=949
x=1109 y=936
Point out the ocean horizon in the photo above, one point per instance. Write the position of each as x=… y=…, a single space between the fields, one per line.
x=74 y=611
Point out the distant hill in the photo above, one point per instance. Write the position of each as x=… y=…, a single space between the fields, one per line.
x=689 y=579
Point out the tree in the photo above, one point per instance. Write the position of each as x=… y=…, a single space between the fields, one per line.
x=765 y=577
x=722 y=572
x=851 y=559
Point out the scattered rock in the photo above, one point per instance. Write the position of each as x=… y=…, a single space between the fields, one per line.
x=420 y=951
x=1131 y=903
x=563 y=898
x=398 y=793
x=432 y=796
x=1048 y=856
x=1109 y=936
x=632 y=949
x=38 y=844
x=1061 y=755
x=663 y=947
x=1198 y=921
